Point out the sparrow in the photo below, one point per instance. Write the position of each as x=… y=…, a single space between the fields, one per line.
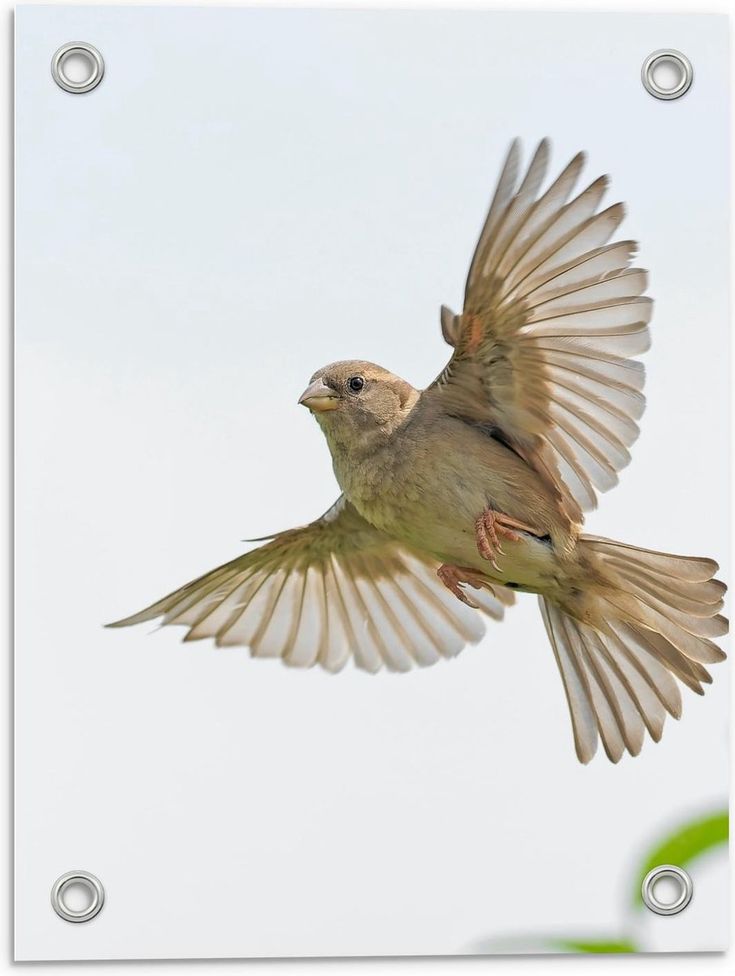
x=455 y=497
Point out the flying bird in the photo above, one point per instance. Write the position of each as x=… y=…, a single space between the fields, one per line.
x=456 y=496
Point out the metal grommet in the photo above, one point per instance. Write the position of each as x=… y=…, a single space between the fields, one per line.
x=86 y=880
x=670 y=871
x=667 y=56
x=90 y=54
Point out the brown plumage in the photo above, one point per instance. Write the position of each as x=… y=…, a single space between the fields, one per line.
x=454 y=496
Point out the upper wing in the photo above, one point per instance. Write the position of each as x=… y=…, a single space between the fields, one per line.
x=325 y=591
x=552 y=312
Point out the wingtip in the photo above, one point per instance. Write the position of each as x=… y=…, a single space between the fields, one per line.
x=513 y=155
x=543 y=148
x=585 y=754
x=618 y=210
x=448 y=321
x=131 y=621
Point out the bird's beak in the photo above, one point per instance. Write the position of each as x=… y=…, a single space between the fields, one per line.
x=318 y=397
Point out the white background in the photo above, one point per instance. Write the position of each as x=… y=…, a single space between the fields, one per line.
x=545 y=764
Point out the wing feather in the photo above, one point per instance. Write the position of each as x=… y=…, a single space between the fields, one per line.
x=331 y=590
x=553 y=315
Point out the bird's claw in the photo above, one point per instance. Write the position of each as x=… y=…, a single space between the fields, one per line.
x=454 y=577
x=489 y=527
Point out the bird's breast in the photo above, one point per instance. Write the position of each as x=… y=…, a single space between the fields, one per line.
x=427 y=491
x=415 y=492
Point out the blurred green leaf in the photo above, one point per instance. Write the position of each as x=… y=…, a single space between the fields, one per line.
x=601 y=946
x=683 y=846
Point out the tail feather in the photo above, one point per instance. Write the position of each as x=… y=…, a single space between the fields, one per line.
x=696 y=597
x=649 y=622
x=695 y=568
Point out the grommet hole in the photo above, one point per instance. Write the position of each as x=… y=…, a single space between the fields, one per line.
x=77 y=67
x=668 y=74
x=667 y=890
x=77 y=897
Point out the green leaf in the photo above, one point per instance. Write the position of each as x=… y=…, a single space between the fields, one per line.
x=683 y=846
x=601 y=946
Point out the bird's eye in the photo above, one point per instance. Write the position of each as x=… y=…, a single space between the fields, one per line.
x=355 y=384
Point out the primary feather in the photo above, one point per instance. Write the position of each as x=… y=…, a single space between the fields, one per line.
x=552 y=316
x=334 y=589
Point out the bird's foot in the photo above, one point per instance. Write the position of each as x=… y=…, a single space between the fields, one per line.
x=453 y=577
x=490 y=527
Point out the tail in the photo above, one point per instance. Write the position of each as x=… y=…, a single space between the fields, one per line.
x=646 y=619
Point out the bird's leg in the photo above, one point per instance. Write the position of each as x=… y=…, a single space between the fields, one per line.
x=490 y=526
x=454 y=576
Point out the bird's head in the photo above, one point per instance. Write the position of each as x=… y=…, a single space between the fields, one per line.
x=356 y=401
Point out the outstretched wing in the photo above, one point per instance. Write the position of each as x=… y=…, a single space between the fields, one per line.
x=327 y=591
x=552 y=314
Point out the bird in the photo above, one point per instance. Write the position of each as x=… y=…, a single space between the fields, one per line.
x=456 y=497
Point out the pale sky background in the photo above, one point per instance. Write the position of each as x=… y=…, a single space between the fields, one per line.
x=248 y=195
